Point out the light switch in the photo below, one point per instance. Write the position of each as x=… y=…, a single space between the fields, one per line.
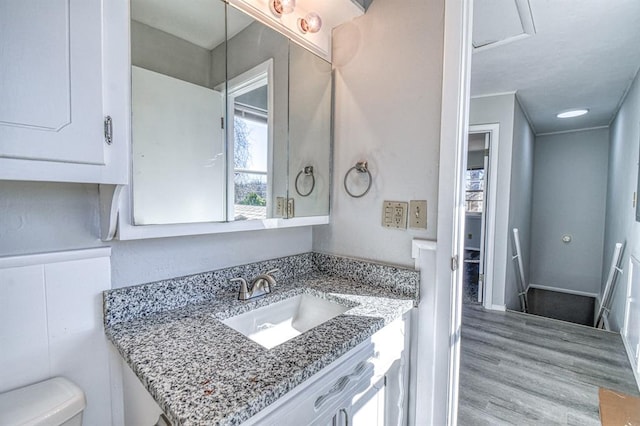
x=394 y=214
x=418 y=214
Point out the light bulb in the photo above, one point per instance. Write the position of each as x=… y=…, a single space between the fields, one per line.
x=282 y=7
x=310 y=23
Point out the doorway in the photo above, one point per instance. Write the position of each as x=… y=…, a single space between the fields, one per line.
x=480 y=205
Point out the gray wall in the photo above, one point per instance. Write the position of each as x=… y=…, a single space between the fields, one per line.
x=388 y=84
x=514 y=189
x=167 y=54
x=520 y=195
x=475 y=160
x=570 y=186
x=39 y=217
x=488 y=110
x=620 y=224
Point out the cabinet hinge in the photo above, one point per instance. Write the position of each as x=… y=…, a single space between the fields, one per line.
x=454 y=263
x=108 y=130
x=222 y=122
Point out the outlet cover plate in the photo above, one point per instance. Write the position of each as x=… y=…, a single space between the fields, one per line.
x=394 y=214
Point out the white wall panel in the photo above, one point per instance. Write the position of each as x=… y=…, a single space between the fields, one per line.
x=51 y=324
x=621 y=226
x=24 y=355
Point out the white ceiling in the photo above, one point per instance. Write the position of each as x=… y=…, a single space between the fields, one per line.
x=200 y=22
x=582 y=54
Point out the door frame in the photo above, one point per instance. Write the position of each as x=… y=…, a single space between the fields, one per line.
x=493 y=129
x=439 y=329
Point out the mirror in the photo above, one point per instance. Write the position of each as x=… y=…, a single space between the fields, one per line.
x=226 y=113
x=310 y=88
x=258 y=78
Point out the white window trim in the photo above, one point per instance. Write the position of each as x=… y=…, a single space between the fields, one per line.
x=256 y=77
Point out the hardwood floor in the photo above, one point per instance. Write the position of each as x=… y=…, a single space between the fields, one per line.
x=519 y=369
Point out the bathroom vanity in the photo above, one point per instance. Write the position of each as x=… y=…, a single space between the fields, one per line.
x=349 y=369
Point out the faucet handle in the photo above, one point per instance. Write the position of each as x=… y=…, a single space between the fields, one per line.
x=272 y=271
x=243 y=293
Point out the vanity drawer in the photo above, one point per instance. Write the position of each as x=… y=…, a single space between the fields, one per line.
x=316 y=401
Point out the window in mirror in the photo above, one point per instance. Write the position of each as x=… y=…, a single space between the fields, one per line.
x=249 y=130
x=257 y=85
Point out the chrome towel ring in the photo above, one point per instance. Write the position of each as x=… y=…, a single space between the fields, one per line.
x=307 y=171
x=360 y=167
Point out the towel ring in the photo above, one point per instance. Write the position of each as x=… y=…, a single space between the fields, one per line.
x=360 y=167
x=308 y=171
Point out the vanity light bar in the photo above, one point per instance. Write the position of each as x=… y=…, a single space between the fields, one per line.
x=311 y=23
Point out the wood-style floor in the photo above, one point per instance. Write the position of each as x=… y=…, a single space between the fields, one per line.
x=519 y=369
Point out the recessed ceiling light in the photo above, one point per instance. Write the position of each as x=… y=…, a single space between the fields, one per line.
x=572 y=113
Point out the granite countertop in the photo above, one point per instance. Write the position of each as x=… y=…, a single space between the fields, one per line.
x=202 y=372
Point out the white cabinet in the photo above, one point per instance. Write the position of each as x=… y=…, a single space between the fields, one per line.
x=365 y=387
x=64 y=69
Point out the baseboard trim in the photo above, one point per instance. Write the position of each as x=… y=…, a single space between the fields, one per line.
x=563 y=290
x=501 y=308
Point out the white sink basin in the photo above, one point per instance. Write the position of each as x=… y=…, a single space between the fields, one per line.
x=276 y=323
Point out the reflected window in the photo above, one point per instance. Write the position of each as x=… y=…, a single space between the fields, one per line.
x=251 y=145
x=250 y=134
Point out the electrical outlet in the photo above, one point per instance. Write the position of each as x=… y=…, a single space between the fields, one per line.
x=394 y=214
x=280 y=202
x=418 y=214
x=290 y=209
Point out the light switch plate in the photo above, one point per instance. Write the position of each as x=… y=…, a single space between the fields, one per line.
x=290 y=208
x=418 y=214
x=280 y=202
x=394 y=214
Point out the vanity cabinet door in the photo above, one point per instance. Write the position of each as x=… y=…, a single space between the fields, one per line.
x=369 y=408
x=54 y=91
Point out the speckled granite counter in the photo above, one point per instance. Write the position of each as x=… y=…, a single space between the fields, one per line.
x=202 y=372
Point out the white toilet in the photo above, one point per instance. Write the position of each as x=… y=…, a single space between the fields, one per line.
x=54 y=402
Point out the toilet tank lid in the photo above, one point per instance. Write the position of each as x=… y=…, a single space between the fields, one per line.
x=47 y=403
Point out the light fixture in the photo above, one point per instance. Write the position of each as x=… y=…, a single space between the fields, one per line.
x=282 y=7
x=572 y=113
x=310 y=23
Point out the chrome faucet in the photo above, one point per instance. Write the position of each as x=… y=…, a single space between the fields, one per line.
x=259 y=286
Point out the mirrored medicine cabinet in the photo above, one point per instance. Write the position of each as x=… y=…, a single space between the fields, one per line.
x=230 y=124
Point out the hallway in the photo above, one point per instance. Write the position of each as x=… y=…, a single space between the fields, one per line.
x=522 y=369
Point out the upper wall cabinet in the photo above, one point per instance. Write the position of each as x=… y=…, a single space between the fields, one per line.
x=56 y=92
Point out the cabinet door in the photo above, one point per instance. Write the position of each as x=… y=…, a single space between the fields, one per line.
x=51 y=86
x=369 y=409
